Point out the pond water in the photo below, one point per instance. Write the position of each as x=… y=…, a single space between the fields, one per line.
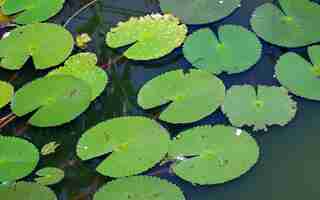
x=289 y=162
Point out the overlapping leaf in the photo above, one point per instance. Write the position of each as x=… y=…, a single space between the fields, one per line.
x=233 y=50
x=261 y=107
x=47 y=44
x=6 y=93
x=150 y=37
x=135 y=143
x=191 y=95
x=290 y=25
x=49 y=176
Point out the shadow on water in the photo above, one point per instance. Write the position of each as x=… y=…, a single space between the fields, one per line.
x=288 y=166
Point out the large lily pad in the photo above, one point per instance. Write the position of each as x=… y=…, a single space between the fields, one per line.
x=201 y=11
x=84 y=66
x=18 y=158
x=135 y=143
x=233 y=50
x=49 y=176
x=139 y=188
x=31 y=11
x=26 y=191
x=150 y=37
x=299 y=75
x=192 y=96
x=212 y=155
x=47 y=44
x=6 y=93
x=261 y=107
x=58 y=99
x=290 y=25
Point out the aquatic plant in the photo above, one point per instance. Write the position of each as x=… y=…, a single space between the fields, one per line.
x=7 y=92
x=49 y=176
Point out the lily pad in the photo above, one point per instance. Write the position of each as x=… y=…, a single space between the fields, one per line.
x=57 y=100
x=260 y=107
x=84 y=66
x=6 y=93
x=18 y=158
x=213 y=155
x=31 y=11
x=150 y=37
x=49 y=176
x=201 y=11
x=290 y=25
x=192 y=96
x=233 y=50
x=27 y=191
x=47 y=44
x=135 y=143
x=139 y=188
x=300 y=76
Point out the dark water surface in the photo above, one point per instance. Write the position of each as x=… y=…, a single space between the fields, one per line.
x=289 y=164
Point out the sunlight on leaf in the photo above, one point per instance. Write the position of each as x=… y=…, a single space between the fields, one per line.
x=49 y=148
x=6 y=93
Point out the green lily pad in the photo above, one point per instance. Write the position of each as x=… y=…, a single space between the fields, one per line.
x=47 y=44
x=49 y=176
x=84 y=66
x=26 y=191
x=6 y=91
x=201 y=11
x=57 y=100
x=233 y=50
x=192 y=96
x=31 y=11
x=213 y=155
x=290 y=25
x=300 y=76
x=261 y=107
x=139 y=188
x=150 y=37
x=18 y=158
x=135 y=143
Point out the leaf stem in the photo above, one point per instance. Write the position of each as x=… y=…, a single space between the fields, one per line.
x=7 y=119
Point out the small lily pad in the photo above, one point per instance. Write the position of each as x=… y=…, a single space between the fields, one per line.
x=300 y=76
x=290 y=25
x=84 y=66
x=139 y=188
x=31 y=11
x=26 y=191
x=47 y=44
x=18 y=158
x=135 y=143
x=200 y=11
x=213 y=155
x=6 y=93
x=57 y=99
x=150 y=37
x=192 y=96
x=49 y=148
x=49 y=176
x=261 y=107
x=233 y=50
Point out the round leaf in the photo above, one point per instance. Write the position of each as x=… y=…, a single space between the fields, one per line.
x=213 y=155
x=261 y=107
x=200 y=11
x=292 y=25
x=48 y=44
x=139 y=188
x=191 y=95
x=49 y=176
x=58 y=99
x=135 y=143
x=31 y=11
x=83 y=66
x=233 y=50
x=6 y=93
x=150 y=37
x=298 y=75
x=26 y=191
x=18 y=158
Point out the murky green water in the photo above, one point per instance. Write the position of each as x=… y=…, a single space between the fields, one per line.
x=289 y=162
